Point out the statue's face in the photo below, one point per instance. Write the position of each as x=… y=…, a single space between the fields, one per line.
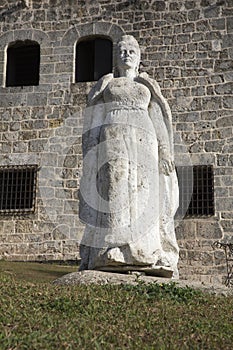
x=128 y=55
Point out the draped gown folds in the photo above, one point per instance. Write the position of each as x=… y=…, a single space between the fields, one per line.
x=126 y=202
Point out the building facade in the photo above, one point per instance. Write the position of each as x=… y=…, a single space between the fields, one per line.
x=51 y=52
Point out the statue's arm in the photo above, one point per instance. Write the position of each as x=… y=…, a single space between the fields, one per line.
x=160 y=115
x=166 y=161
x=96 y=92
x=94 y=114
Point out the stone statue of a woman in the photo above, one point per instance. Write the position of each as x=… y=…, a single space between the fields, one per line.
x=128 y=191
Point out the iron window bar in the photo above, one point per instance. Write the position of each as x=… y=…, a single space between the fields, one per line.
x=18 y=189
x=196 y=191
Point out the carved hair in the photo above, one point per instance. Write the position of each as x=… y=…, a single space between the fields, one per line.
x=129 y=39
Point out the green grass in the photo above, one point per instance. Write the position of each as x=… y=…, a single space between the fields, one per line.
x=35 y=272
x=35 y=314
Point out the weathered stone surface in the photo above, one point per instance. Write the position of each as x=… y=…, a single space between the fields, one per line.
x=132 y=228
x=209 y=230
x=98 y=277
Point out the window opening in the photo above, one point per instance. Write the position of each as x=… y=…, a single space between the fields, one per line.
x=23 y=64
x=196 y=190
x=18 y=188
x=93 y=59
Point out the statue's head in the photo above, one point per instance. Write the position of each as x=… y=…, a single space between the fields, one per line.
x=128 y=53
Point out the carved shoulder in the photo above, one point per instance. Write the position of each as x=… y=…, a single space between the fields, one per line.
x=98 y=88
x=152 y=84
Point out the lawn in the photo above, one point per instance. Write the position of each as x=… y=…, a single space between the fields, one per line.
x=35 y=314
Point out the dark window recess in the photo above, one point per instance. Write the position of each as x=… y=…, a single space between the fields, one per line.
x=23 y=64
x=18 y=189
x=93 y=59
x=196 y=190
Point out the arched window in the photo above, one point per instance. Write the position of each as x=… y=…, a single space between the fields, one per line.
x=93 y=59
x=23 y=63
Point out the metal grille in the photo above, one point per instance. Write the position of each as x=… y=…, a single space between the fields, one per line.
x=196 y=187
x=228 y=249
x=17 y=189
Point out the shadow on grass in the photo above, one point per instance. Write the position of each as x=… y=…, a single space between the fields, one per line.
x=35 y=272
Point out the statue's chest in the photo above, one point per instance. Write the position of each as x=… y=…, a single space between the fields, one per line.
x=124 y=89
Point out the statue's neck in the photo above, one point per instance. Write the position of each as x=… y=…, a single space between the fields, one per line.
x=127 y=73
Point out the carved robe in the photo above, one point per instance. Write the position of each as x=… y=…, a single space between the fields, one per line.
x=127 y=203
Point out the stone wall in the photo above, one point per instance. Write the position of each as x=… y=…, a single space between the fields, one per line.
x=186 y=45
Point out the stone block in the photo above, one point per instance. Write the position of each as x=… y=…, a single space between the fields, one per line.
x=218 y=24
x=188 y=27
x=212 y=12
x=50 y=247
x=6 y=249
x=214 y=146
x=184 y=126
x=212 y=103
x=204 y=46
x=49 y=159
x=4 y=127
x=229 y=24
x=202 y=26
x=227 y=180
x=37 y=145
x=209 y=230
x=70 y=161
x=33 y=238
x=226 y=204
x=222 y=159
x=6 y=147
x=231 y=156
x=219 y=257
x=205 y=158
x=36 y=99
x=194 y=15
x=63 y=193
x=224 y=122
x=51 y=15
x=196 y=258
x=10 y=136
x=223 y=133
x=227 y=225
x=40 y=124
x=47 y=68
x=224 y=89
x=227 y=40
x=12 y=99
x=39 y=15
x=159 y=5
x=197 y=36
x=196 y=104
x=182 y=38
x=228 y=102
x=64 y=67
x=71 y=207
x=223 y=65
x=228 y=76
x=228 y=238
x=186 y=230
x=196 y=148
x=20 y=147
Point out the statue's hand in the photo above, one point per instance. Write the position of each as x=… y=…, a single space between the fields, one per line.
x=166 y=163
